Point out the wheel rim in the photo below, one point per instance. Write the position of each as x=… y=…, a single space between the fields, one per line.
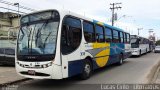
x=87 y=69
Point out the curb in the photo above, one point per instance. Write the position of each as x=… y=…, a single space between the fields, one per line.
x=14 y=82
x=152 y=75
x=155 y=76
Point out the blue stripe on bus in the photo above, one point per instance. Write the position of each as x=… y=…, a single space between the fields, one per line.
x=75 y=67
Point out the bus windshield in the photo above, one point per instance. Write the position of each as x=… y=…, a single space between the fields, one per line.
x=134 y=42
x=38 y=37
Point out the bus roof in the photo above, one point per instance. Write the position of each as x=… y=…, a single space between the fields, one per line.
x=137 y=36
x=67 y=12
x=92 y=20
x=107 y=25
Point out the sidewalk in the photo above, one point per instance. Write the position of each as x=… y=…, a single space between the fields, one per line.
x=8 y=75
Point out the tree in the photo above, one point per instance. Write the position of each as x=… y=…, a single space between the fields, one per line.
x=158 y=42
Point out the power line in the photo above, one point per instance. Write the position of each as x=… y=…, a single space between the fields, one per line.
x=113 y=7
x=13 y=10
x=20 y=6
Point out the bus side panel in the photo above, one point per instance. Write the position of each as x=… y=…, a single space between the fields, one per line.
x=115 y=50
x=128 y=51
x=75 y=67
x=99 y=52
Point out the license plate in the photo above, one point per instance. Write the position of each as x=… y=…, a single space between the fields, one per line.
x=31 y=72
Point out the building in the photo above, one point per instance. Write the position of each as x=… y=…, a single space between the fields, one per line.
x=8 y=20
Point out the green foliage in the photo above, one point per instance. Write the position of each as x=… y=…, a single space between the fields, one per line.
x=158 y=42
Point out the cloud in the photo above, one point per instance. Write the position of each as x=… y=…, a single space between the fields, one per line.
x=144 y=12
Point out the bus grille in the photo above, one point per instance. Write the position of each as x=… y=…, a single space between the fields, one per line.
x=36 y=74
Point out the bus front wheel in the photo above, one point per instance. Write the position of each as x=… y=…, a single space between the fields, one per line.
x=87 y=70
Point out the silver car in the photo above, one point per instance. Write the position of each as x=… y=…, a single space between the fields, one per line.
x=157 y=49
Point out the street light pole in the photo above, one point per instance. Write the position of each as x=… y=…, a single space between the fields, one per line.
x=121 y=17
x=17 y=4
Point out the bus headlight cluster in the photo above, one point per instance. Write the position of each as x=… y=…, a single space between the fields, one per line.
x=39 y=66
x=21 y=65
x=46 y=65
x=135 y=51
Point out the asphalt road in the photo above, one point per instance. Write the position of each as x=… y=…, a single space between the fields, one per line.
x=135 y=70
x=8 y=74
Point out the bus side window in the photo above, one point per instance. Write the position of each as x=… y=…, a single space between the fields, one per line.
x=115 y=36
x=108 y=35
x=89 y=33
x=64 y=35
x=99 y=33
x=64 y=40
x=71 y=35
x=125 y=38
x=121 y=37
x=128 y=38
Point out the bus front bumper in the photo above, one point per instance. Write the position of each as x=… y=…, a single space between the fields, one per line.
x=51 y=72
x=135 y=52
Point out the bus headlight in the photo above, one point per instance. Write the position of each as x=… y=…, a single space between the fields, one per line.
x=50 y=64
x=47 y=65
x=44 y=66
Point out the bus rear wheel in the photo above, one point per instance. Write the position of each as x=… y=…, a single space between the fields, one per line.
x=146 y=50
x=140 y=53
x=87 y=70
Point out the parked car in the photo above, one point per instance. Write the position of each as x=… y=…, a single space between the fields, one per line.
x=7 y=56
x=157 y=49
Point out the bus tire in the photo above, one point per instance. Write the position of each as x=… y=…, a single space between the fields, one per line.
x=146 y=50
x=120 y=59
x=87 y=70
x=139 y=53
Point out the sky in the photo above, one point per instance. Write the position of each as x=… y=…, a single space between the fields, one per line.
x=138 y=13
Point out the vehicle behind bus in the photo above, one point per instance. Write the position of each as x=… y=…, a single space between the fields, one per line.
x=139 y=45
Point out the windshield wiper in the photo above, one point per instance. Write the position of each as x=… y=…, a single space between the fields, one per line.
x=29 y=39
x=32 y=36
x=46 y=39
x=39 y=30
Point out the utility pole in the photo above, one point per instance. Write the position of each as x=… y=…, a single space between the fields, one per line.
x=151 y=35
x=113 y=7
x=150 y=31
x=139 y=30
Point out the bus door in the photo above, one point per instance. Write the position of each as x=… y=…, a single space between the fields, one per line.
x=71 y=35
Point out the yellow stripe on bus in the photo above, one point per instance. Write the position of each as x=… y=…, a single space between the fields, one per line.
x=100 y=23
x=102 y=61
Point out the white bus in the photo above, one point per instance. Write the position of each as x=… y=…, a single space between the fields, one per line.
x=139 y=45
x=56 y=44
